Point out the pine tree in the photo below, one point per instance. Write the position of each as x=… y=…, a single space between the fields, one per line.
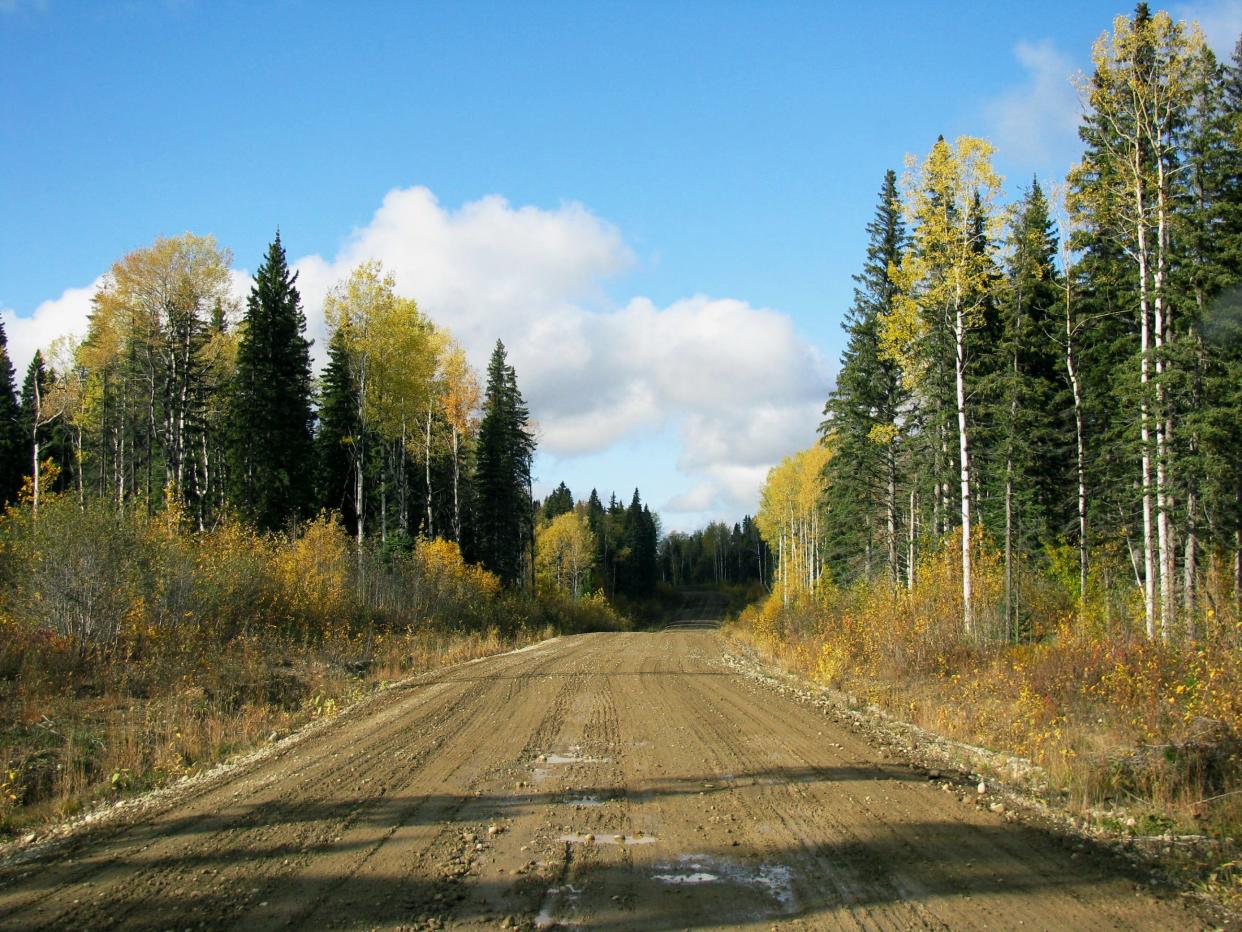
x=270 y=415
x=636 y=572
x=559 y=501
x=338 y=430
x=13 y=463
x=41 y=419
x=1026 y=468
x=1210 y=480
x=862 y=413
x=504 y=521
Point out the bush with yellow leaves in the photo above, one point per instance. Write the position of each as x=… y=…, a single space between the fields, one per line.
x=1075 y=687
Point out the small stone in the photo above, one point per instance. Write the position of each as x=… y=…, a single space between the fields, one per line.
x=590 y=838
x=998 y=808
x=983 y=787
x=494 y=830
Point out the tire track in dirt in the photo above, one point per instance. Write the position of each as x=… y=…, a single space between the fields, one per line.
x=610 y=781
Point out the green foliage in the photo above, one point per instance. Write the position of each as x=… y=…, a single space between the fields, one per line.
x=716 y=555
x=504 y=525
x=270 y=404
x=863 y=415
x=12 y=437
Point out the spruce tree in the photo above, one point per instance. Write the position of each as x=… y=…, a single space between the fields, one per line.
x=504 y=519
x=862 y=413
x=1024 y=410
x=270 y=417
x=13 y=465
x=338 y=428
x=559 y=501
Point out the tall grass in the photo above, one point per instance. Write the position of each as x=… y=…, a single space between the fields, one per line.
x=1112 y=717
x=133 y=651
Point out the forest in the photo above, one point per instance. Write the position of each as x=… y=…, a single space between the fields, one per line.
x=1021 y=524
x=204 y=543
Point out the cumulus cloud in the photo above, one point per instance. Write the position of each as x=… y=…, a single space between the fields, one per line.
x=486 y=270
x=736 y=385
x=1036 y=121
x=63 y=316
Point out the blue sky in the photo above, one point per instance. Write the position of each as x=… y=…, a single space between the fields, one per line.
x=636 y=196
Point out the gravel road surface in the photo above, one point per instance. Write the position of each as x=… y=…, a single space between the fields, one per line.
x=608 y=781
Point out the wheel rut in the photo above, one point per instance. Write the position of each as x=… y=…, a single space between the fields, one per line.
x=606 y=781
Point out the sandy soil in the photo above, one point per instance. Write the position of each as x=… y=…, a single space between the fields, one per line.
x=610 y=781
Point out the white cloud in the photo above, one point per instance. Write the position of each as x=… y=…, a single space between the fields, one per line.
x=1036 y=122
x=487 y=270
x=736 y=385
x=66 y=315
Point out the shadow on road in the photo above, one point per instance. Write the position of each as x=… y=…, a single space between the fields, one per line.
x=923 y=863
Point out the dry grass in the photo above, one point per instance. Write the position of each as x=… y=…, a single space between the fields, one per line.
x=1140 y=736
x=133 y=651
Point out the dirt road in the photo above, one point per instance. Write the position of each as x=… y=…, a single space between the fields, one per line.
x=613 y=781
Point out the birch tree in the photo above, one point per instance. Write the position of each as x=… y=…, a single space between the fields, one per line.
x=943 y=283
x=1138 y=96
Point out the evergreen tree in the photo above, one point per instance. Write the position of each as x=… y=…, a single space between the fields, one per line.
x=637 y=571
x=1027 y=465
x=862 y=413
x=13 y=464
x=338 y=429
x=559 y=501
x=270 y=416
x=42 y=427
x=504 y=522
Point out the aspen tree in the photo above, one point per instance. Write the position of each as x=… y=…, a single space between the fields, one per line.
x=943 y=282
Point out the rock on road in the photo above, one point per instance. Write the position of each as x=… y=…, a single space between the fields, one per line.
x=608 y=781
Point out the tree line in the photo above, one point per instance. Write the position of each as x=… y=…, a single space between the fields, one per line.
x=176 y=395
x=1060 y=377
x=718 y=554
x=586 y=546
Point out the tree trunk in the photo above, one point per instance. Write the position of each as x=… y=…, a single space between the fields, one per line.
x=1080 y=449
x=427 y=471
x=359 y=467
x=959 y=330
x=892 y=520
x=910 y=542
x=1149 y=556
x=1190 y=565
x=1163 y=423
x=456 y=483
